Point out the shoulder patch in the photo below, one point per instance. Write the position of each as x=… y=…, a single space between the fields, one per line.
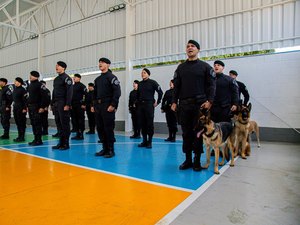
x=115 y=81
x=234 y=82
x=43 y=87
x=68 y=81
x=212 y=73
x=158 y=88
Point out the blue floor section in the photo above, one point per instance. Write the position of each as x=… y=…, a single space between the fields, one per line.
x=159 y=164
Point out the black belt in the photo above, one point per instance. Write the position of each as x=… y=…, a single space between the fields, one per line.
x=102 y=100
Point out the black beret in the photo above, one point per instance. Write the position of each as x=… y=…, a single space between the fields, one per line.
x=233 y=72
x=3 y=80
x=194 y=43
x=136 y=81
x=219 y=62
x=91 y=84
x=35 y=74
x=62 y=64
x=43 y=82
x=77 y=75
x=105 y=60
x=20 y=80
x=147 y=71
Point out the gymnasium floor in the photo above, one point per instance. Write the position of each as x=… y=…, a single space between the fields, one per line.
x=137 y=186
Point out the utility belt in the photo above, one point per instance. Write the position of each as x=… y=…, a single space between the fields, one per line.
x=188 y=101
x=146 y=101
x=102 y=100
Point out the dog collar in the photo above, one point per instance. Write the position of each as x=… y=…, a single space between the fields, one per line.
x=243 y=123
x=211 y=134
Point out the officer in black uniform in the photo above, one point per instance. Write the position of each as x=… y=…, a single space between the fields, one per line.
x=194 y=87
x=5 y=106
x=20 y=96
x=170 y=114
x=78 y=107
x=89 y=104
x=146 y=104
x=242 y=88
x=132 y=105
x=62 y=99
x=106 y=99
x=36 y=103
x=45 y=114
x=227 y=95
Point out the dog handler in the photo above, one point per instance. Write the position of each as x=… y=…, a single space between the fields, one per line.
x=194 y=87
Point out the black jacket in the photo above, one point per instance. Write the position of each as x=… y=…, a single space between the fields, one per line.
x=146 y=90
x=62 y=89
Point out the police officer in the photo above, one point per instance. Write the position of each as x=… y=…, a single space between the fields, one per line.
x=146 y=104
x=132 y=105
x=20 y=96
x=89 y=104
x=170 y=114
x=226 y=99
x=62 y=99
x=45 y=114
x=5 y=106
x=78 y=107
x=194 y=87
x=242 y=88
x=106 y=99
x=36 y=103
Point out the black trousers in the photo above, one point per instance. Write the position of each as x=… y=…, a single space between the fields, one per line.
x=91 y=118
x=105 y=123
x=56 y=118
x=171 y=120
x=20 y=119
x=135 y=122
x=62 y=119
x=77 y=114
x=45 y=124
x=146 y=118
x=36 y=121
x=189 y=118
x=5 y=117
x=220 y=114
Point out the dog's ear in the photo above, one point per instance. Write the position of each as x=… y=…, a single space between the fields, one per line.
x=249 y=106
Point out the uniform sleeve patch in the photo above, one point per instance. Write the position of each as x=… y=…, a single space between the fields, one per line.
x=115 y=81
x=68 y=81
x=212 y=73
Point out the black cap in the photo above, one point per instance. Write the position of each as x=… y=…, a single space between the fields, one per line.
x=20 y=80
x=91 y=84
x=147 y=71
x=62 y=64
x=77 y=75
x=43 y=82
x=219 y=62
x=233 y=72
x=194 y=43
x=105 y=60
x=35 y=74
x=3 y=80
x=136 y=81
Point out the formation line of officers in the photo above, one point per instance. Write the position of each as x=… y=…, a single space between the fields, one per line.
x=195 y=85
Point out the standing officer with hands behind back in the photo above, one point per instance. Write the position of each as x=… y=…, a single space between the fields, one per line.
x=194 y=87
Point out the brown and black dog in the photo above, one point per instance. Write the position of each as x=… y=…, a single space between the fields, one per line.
x=216 y=135
x=242 y=127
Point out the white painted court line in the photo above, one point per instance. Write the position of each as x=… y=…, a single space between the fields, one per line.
x=103 y=171
x=171 y=216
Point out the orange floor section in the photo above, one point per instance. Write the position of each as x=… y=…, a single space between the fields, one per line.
x=38 y=191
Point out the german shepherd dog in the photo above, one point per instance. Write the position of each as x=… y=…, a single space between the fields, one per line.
x=242 y=127
x=215 y=135
x=254 y=128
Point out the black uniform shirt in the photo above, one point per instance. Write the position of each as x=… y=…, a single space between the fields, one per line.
x=63 y=89
x=79 y=93
x=132 y=100
x=6 y=96
x=194 y=79
x=107 y=88
x=167 y=100
x=89 y=98
x=244 y=91
x=227 y=91
x=37 y=94
x=20 y=97
x=146 y=90
x=48 y=99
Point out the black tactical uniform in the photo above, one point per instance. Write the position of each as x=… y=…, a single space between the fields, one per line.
x=61 y=97
x=107 y=92
x=145 y=96
x=5 y=106
x=37 y=97
x=45 y=114
x=243 y=90
x=77 y=112
x=89 y=113
x=226 y=96
x=170 y=115
x=19 y=110
x=194 y=84
x=132 y=105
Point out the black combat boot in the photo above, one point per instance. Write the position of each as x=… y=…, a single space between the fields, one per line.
x=149 y=143
x=110 y=151
x=103 y=151
x=197 y=164
x=187 y=163
x=144 y=143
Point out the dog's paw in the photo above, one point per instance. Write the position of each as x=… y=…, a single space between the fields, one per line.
x=231 y=165
x=221 y=163
x=205 y=166
x=217 y=172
